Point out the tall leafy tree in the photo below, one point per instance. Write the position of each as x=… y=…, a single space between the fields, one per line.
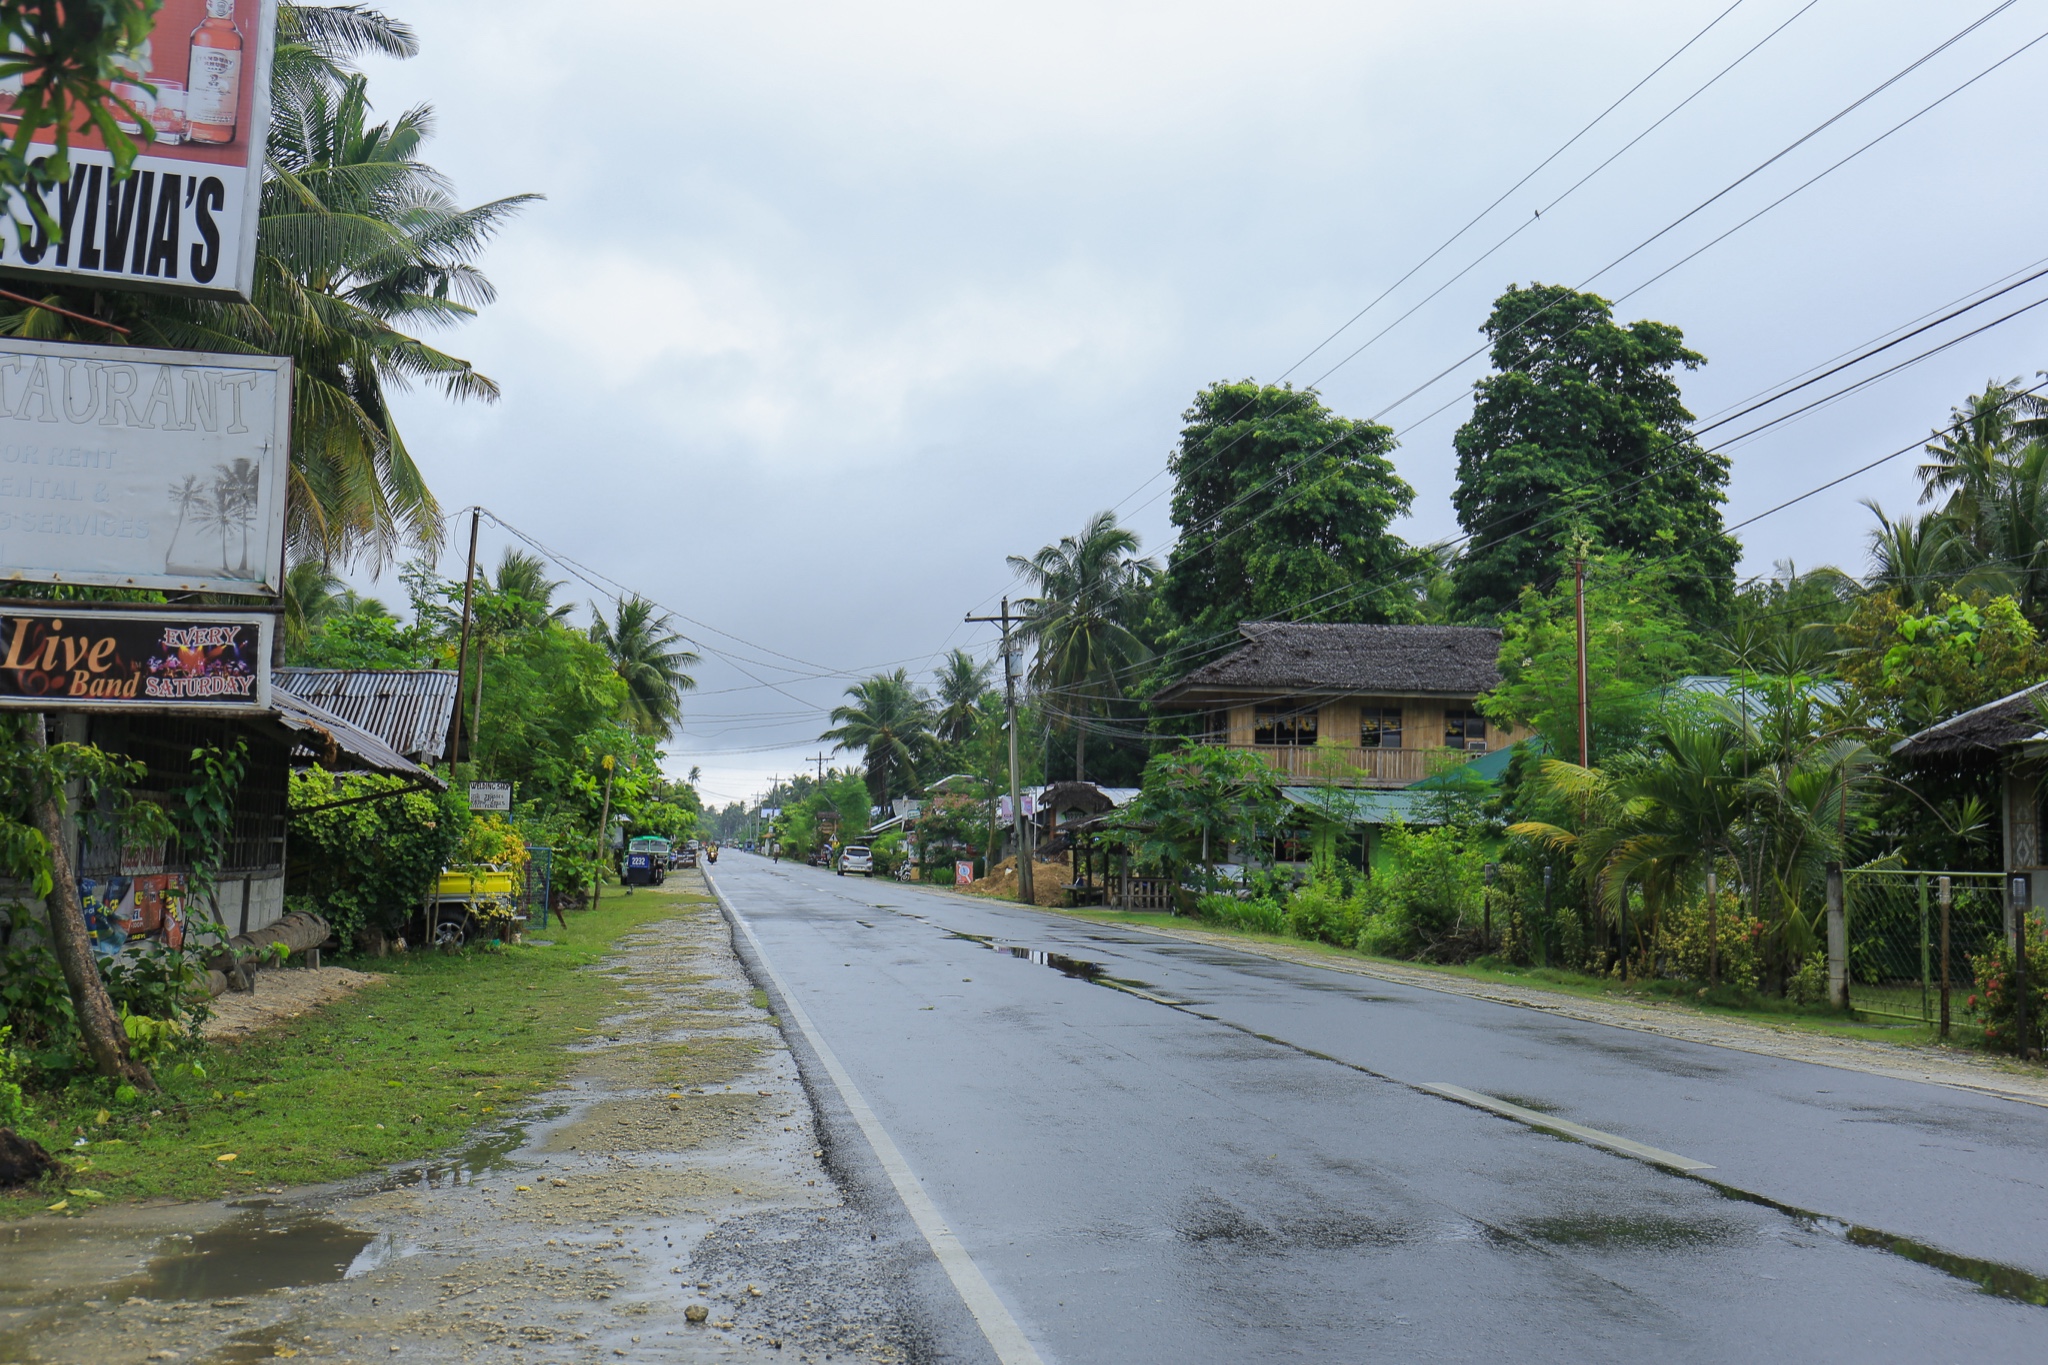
x=646 y=653
x=1091 y=596
x=1284 y=510
x=889 y=720
x=1578 y=435
x=1637 y=640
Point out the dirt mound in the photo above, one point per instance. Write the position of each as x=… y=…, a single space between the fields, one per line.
x=1001 y=883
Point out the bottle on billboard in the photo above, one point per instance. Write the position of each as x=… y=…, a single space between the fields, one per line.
x=213 y=85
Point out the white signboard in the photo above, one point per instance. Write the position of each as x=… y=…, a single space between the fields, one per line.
x=132 y=468
x=184 y=220
x=490 y=796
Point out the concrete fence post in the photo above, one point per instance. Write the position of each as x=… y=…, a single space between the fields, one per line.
x=1838 y=940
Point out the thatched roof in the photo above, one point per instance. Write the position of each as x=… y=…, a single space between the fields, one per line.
x=1344 y=659
x=1981 y=733
x=1085 y=797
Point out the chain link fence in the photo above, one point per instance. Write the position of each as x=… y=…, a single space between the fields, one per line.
x=1895 y=925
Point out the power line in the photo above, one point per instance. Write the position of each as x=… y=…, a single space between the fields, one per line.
x=1477 y=218
x=1525 y=323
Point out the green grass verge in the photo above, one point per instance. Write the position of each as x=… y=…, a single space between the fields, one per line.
x=395 y=1072
x=1724 y=1002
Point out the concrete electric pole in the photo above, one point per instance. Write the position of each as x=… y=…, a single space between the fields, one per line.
x=1026 y=894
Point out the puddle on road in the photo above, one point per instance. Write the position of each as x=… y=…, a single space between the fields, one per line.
x=253 y=1252
x=1075 y=967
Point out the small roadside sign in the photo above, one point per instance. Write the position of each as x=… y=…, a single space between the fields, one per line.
x=963 y=872
x=490 y=796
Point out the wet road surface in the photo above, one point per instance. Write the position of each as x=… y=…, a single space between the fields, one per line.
x=1157 y=1150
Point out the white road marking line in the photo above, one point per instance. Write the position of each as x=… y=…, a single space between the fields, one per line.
x=1005 y=1337
x=1557 y=1125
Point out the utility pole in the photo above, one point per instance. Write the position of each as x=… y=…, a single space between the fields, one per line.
x=819 y=759
x=462 y=650
x=1585 y=740
x=1026 y=893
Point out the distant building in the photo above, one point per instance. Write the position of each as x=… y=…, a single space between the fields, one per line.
x=1350 y=705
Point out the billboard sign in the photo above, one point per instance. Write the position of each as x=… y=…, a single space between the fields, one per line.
x=131 y=468
x=184 y=220
x=490 y=796
x=79 y=656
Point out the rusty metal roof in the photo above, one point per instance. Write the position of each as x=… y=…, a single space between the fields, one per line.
x=409 y=709
x=332 y=742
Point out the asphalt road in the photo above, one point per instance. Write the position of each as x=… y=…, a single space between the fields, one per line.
x=1201 y=1155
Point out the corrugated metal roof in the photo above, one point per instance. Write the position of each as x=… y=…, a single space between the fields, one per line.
x=409 y=709
x=325 y=729
x=1361 y=806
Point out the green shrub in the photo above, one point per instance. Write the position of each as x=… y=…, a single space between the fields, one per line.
x=1683 y=939
x=1809 y=985
x=1385 y=935
x=1258 y=914
x=1995 y=1003
x=14 y=1108
x=371 y=863
x=1328 y=911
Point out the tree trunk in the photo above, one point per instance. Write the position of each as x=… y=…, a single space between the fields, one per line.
x=105 y=1039
x=1080 y=752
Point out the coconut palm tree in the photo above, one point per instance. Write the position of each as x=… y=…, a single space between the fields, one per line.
x=644 y=652
x=889 y=720
x=963 y=682
x=524 y=576
x=1964 y=456
x=1916 y=557
x=312 y=597
x=1091 y=595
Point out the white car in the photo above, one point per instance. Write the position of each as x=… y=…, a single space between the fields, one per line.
x=856 y=858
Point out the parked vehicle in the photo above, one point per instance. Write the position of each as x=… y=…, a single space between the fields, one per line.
x=472 y=902
x=857 y=858
x=647 y=860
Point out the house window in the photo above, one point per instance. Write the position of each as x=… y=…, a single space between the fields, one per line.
x=1379 y=726
x=1281 y=724
x=1464 y=728
x=1293 y=846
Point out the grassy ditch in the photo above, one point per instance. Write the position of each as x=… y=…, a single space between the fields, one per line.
x=398 y=1071
x=1724 y=1002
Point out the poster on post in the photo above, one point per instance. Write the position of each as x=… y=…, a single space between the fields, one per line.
x=184 y=219
x=83 y=656
x=126 y=467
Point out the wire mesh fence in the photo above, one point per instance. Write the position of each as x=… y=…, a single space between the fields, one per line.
x=1897 y=928
x=535 y=895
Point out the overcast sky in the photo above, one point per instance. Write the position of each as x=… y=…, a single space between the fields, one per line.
x=831 y=307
